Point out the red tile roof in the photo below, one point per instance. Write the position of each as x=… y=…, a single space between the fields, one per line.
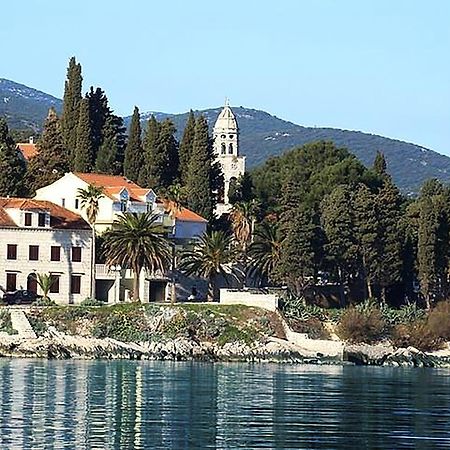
x=187 y=215
x=60 y=218
x=28 y=150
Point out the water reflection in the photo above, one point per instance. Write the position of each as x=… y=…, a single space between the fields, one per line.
x=156 y=405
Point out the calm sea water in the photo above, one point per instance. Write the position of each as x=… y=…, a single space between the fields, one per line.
x=163 y=405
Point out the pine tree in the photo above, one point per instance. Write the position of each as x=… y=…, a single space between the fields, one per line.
x=186 y=146
x=108 y=156
x=52 y=160
x=162 y=165
x=134 y=153
x=99 y=111
x=12 y=164
x=379 y=165
x=150 y=142
x=84 y=152
x=200 y=173
x=71 y=107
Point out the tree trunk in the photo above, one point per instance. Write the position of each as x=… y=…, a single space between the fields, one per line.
x=369 y=289
x=383 y=295
x=137 y=274
x=211 y=288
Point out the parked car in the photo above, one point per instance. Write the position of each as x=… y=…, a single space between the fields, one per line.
x=20 y=297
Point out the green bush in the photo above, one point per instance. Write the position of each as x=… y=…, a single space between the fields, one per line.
x=312 y=327
x=43 y=301
x=364 y=324
x=5 y=322
x=439 y=320
x=296 y=308
x=38 y=325
x=91 y=302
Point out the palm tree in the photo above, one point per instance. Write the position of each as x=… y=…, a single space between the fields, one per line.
x=89 y=200
x=243 y=218
x=45 y=282
x=213 y=255
x=136 y=241
x=264 y=251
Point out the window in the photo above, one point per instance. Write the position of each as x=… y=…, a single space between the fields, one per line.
x=230 y=149
x=33 y=252
x=11 y=282
x=32 y=283
x=41 y=220
x=75 y=284
x=63 y=202
x=11 y=251
x=54 y=289
x=123 y=205
x=28 y=217
x=55 y=253
x=223 y=148
x=77 y=203
x=76 y=254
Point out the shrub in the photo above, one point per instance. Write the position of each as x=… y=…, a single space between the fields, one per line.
x=417 y=334
x=5 y=323
x=439 y=320
x=296 y=308
x=91 y=302
x=44 y=301
x=38 y=325
x=361 y=325
x=312 y=327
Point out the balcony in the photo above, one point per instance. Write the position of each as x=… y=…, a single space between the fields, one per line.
x=102 y=272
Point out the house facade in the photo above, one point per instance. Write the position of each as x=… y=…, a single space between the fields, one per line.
x=42 y=237
x=114 y=284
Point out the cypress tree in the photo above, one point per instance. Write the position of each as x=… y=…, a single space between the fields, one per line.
x=134 y=153
x=162 y=165
x=98 y=112
x=150 y=142
x=12 y=164
x=108 y=156
x=379 y=165
x=186 y=145
x=52 y=160
x=71 y=107
x=84 y=153
x=199 y=181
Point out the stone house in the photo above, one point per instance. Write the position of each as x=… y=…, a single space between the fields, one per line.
x=42 y=237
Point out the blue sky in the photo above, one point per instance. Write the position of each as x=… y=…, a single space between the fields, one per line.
x=379 y=66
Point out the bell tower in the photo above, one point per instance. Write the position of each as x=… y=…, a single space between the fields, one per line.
x=226 y=149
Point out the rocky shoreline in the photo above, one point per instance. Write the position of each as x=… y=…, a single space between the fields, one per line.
x=58 y=345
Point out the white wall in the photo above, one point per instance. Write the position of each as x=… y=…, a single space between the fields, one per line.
x=188 y=229
x=249 y=298
x=45 y=238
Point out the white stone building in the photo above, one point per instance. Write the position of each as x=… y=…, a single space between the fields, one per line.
x=121 y=195
x=41 y=237
x=226 y=149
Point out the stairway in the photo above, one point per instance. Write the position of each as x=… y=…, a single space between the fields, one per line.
x=20 y=323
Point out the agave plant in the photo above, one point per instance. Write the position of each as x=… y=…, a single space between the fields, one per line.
x=45 y=282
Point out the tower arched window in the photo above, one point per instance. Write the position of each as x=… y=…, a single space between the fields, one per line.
x=223 y=148
x=230 y=148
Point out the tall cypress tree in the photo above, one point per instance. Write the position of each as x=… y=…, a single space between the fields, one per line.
x=12 y=164
x=162 y=163
x=71 y=106
x=186 y=145
x=108 y=156
x=199 y=180
x=84 y=152
x=99 y=111
x=52 y=160
x=134 y=154
x=150 y=141
x=379 y=165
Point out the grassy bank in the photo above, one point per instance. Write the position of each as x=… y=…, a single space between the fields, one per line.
x=134 y=322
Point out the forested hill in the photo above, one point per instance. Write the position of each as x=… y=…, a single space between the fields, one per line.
x=263 y=135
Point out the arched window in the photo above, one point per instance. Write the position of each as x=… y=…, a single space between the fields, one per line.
x=223 y=148
x=230 y=148
x=32 y=283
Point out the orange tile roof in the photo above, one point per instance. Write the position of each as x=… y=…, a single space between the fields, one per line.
x=28 y=150
x=186 y=215
x=113 y=184
x=60 y=218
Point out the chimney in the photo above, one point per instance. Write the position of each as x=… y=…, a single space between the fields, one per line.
x=31 y=140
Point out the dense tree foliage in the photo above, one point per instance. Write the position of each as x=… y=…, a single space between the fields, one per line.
x=134 y=153
x=84 y=151
x=12 y=165
x=52 y=159
x=186 y=146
